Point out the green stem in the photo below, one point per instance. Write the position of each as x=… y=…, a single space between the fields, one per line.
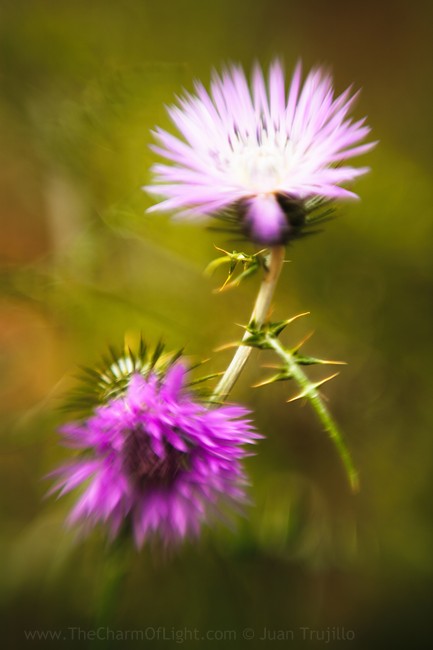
x=114 y=572
x=258 y=316
x=310 y=391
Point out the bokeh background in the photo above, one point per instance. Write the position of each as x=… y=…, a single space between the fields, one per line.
x=81 y=84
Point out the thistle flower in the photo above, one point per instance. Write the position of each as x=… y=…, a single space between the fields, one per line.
x=155 y=458
x=264 y=155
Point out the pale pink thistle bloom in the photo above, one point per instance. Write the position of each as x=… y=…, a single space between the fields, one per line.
x=258 y=150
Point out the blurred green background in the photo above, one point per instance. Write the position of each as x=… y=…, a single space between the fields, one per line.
x=81 y=85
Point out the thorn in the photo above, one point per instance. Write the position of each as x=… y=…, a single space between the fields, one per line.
x=201 y=380
x=304 y=313
x=314 y=361
x=265 y=382
x=272 y=366
x=312 y=387
x=228 y=346
x=193 y=365
x=277 y=327
x=300 y=395
x=299 y=345
x=330 y=362
x=226 y=285
x=323 y=381
x=221 y=250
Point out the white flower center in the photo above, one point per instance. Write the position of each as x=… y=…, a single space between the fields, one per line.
x=261 y=163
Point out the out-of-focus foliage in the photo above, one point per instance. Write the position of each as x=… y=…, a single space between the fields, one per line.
x=81 y=85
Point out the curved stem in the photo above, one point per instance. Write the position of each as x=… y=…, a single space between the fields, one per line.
x=258 y=316
x=309 y=390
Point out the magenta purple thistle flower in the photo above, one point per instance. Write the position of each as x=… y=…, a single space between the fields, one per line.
x=263 y=152
x=157 y=459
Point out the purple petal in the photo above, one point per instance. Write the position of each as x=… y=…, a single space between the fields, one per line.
x=265 y=220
